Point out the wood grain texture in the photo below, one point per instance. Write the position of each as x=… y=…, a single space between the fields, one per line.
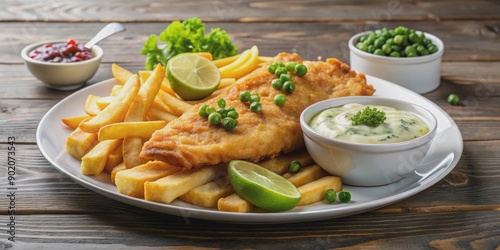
x=366 y=231
x=464 y=41
x=459 y=212
x=247 y=11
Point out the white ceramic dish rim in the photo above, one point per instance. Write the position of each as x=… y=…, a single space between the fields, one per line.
x=437 y=164
x=398 y=60
x=366 y=147
x=96 y=51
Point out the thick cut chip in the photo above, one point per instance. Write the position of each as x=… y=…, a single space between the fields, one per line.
x=129 y=129
x=315 y=191
x=167 y=189
x=131 y=181
x=115 y=111
x=94 y=161
x=79 y=143
x=73 y=122
x=209 y=194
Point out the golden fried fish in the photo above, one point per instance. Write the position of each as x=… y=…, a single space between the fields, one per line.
x=191 y=141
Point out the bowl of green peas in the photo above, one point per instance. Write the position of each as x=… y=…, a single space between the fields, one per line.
x=401 y=55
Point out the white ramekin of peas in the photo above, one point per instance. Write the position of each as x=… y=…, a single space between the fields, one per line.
x=401 y=55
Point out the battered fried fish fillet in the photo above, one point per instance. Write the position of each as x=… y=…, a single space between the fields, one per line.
x=191 y=141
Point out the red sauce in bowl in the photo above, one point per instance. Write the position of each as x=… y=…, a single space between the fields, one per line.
x=68 y=52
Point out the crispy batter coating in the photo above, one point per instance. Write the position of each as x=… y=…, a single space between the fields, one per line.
x=191 y=141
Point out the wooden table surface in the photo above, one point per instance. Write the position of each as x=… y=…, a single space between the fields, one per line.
x=462 y=211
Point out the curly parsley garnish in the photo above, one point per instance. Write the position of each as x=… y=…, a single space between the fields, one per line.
x=371 y=117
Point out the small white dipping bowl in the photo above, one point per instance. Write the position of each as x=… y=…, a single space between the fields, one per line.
x=363 y=164
x=421 y=74
x=62 y=76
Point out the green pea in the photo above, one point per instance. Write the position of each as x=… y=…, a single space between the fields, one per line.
x=400 y=30
x=414 y=38
x=410 y=50
x=272 y=68
x=229 y=123
x=223 y=112
x=398 y=39
x=280 y=64
x=290 y=66
x=411 y=54
x=300 y=70
x=395 y=54
x=330 y=195
x=280 y=100
x=453 y=99
x=371 y=37
x=245 y=96
x=285 y=77
x=389 y=41
x=395 y=47
x=214 y=118
x=254 y=97
x=386 y=48
x=378 y=42
x=363 y=38
x=279 y=71
x=288 y=87
x=221 y=103
x=202 y=111
x=210 y=110
x=422 y=51
x=276 y=83
x=231 y=109
x=233 y=114
x=378 y=52
x=371 y=48
x=427 y=41
x=432 y=49
x=405 y=40
x=255 y=106
x=344 y=196
x=362 y=46
x=294 y=166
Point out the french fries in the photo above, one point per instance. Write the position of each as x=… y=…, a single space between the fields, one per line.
x=129 y=129
x=115 y=111
x=110 y=136
x=79 y=143
x=131 y=181
x=94 y=161
x=137 y=112
x=315 y=191
x=73 y=122
x=168 y=188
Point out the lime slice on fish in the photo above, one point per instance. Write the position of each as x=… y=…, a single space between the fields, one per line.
x=192 y=77
x=262 y=187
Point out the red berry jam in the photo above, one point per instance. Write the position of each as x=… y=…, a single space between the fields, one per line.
x=67 y=52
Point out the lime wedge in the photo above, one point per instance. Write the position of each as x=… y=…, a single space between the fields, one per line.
x=192 y=77
x=262 y=187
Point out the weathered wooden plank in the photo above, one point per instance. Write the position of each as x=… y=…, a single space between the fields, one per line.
x=42 y=189
x=247 y=11
x=243 y=11
x=464 y=41
x=475 y=230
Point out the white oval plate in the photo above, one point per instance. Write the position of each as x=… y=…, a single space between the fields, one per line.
x=442 y=157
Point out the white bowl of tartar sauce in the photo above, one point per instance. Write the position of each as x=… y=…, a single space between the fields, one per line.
x=366 y=140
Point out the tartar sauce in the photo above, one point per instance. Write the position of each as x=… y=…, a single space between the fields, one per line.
x=399 y=126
